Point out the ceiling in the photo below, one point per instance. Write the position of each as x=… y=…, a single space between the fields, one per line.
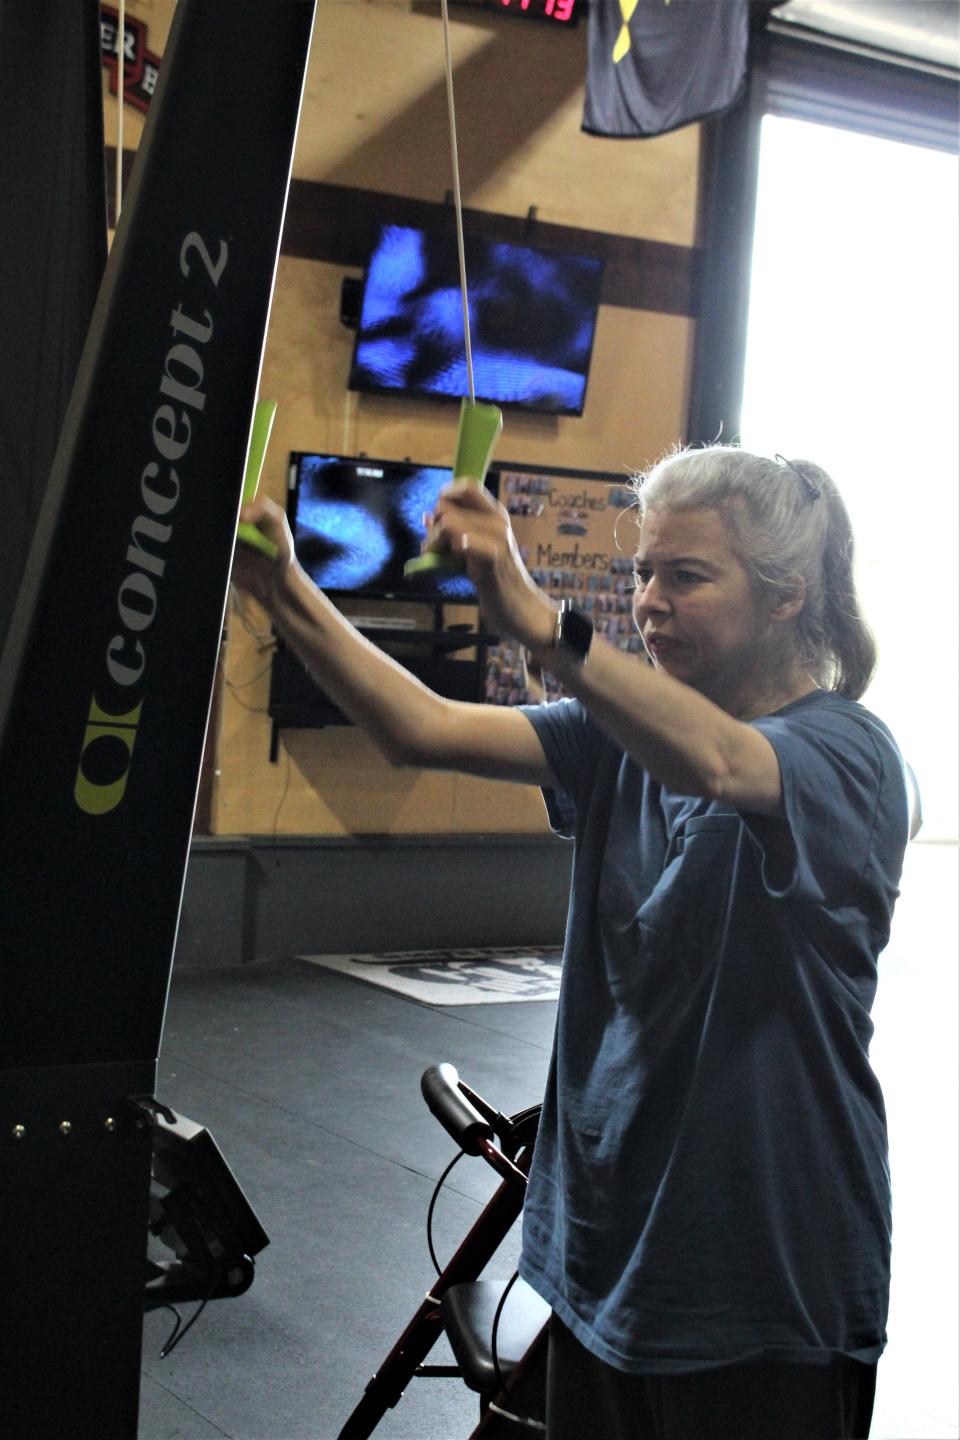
x=923 y=31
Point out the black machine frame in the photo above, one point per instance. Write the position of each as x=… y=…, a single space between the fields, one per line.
x=105 y=690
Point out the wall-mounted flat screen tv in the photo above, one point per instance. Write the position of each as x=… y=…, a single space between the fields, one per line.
x=533 y=316
x=356 y=522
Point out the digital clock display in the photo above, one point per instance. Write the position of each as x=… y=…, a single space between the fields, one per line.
x=564 y=12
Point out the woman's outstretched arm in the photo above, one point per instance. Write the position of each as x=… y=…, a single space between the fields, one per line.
x=407 y=721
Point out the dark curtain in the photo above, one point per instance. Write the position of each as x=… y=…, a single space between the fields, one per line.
x=54 y=246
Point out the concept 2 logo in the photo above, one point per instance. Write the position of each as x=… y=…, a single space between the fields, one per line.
x=111 y=731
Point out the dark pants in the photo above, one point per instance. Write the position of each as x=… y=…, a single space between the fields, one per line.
x=762 y=1400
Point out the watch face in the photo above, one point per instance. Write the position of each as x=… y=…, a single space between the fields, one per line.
x=576 y=632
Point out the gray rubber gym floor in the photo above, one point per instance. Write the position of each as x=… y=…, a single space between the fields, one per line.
x=310 y=1084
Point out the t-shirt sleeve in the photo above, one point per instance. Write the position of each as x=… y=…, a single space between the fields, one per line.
x=567 y=737
x=844 y=803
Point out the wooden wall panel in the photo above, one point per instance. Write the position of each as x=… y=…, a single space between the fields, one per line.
x=374 y=117
x=337 y=782
x=374 y=120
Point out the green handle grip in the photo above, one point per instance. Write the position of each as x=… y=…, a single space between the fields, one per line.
x=259 y=439
x=477 y=433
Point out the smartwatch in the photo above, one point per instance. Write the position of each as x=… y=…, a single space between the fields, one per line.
x=574 y=632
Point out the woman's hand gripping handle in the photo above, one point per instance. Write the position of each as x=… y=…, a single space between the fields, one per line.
x=254 y=570
x=468 y=523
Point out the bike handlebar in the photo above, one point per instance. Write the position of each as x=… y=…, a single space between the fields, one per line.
x=440 y=1087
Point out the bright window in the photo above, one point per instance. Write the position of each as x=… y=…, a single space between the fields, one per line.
x=852 y=361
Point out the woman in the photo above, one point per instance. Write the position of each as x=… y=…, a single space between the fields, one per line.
x=708 y=1212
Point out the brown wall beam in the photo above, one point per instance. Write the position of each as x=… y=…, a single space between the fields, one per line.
x=337 y=224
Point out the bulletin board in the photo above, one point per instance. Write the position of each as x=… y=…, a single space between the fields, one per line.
x=576 y=531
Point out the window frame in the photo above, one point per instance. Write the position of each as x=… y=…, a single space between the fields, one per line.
x=816 y=80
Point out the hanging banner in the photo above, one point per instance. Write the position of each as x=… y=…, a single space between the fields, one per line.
x=654 y=65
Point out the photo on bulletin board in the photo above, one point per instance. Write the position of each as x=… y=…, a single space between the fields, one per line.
x=576 y=531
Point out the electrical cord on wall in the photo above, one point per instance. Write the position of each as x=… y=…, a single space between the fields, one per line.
x=276 y=815
x=266 y=644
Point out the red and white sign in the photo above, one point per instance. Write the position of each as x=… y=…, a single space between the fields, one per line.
x=141 y=68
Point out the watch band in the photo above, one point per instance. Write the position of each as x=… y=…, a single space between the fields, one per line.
x=574 y=632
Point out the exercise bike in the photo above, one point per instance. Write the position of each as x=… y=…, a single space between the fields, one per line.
x=496 y=1330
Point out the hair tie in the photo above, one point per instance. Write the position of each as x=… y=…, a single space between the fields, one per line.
x=813 y=491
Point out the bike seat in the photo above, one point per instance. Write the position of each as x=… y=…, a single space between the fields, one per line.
x=468 y=1310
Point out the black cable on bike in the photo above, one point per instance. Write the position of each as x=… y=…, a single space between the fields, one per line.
x=527 y=1421
x=501 y=1383
x=433 y=1200
x=180 y=1329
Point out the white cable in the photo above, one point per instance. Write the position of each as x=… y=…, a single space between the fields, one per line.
x=349 y=421
x=121 y=47
x=458 y=207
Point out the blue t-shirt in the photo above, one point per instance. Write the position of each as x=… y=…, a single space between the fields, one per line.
x=710 y=1182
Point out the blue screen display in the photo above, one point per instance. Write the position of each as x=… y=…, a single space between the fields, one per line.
x=532 y=321
x=356 y=523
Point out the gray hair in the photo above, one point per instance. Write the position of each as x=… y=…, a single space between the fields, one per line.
x=785 y=518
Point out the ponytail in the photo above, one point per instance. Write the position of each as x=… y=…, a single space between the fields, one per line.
x=848 y=637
